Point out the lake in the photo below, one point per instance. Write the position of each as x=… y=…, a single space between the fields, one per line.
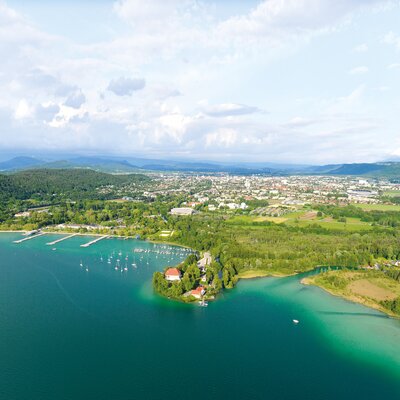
x=93 y=332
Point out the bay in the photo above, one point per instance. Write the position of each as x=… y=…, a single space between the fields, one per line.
x=71 y=333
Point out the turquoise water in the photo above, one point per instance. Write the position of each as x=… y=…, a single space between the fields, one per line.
x=68 y=333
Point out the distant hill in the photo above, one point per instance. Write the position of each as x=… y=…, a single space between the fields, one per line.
x=129 y=165
x=95 y=163
x=347 y=169
x=17 y=163
x=383 y=170
x=71 y=184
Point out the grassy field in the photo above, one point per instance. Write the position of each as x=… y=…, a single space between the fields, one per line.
x=367 y=287
x=309 y=217
x=277 y=220
x=249 y=274
x=303 y=219
x=379 y=207
x=392 y=193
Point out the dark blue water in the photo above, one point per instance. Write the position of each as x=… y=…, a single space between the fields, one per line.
x=68 y=333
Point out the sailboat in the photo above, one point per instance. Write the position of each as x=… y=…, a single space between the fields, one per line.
x=295 y=321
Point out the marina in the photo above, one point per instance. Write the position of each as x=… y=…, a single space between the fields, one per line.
x=29 y=237
x=94 y=241
x=60 y=240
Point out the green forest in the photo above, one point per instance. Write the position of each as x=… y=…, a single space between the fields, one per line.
x=55 y=184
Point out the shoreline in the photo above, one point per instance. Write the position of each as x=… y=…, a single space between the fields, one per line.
x=249 y=274
x=102 y=234
x=354 y=299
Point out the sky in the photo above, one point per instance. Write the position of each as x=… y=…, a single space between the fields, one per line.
x=294 y=81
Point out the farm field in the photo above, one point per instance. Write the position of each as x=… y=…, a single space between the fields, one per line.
x=379 y=207
x=303 y=219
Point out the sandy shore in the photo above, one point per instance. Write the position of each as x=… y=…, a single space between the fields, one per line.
x=354 y=299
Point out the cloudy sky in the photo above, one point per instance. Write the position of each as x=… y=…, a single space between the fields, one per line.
x=310 y=81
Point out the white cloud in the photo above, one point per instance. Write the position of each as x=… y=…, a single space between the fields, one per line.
x=141 y=14
x=75 y=99
x=222 y=137
x=392 y=38
x=126 y=86
x=394 y=66
x=274 y=19
x=361 y=48
x=229 y=109
x=46 y=112
x=359 y=70
x=23 y=110
x=347 y=104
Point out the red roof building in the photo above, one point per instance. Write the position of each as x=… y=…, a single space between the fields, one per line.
x=198 y=292
x=173 y=274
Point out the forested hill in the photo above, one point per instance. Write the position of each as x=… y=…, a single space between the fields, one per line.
x=63 y=184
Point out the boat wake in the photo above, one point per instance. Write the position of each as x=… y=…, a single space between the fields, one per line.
x=66 y=294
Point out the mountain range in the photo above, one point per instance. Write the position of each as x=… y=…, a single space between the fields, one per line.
x=390 y=169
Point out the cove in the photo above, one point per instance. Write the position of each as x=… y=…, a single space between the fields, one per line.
x=68 y=333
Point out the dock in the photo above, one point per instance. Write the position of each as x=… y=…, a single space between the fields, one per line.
x=94 y=241
x=29 y=237
x=60 y=240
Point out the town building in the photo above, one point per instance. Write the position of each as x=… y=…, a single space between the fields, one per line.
x=198 y=292
x=173 y=274
x=183 y=211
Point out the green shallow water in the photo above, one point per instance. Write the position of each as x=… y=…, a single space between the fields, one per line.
x=66 y=333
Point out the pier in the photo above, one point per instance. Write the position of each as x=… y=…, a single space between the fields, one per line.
x=29 y=237
x=94 y=241
x=60 y=240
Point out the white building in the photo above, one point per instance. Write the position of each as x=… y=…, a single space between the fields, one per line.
x=182 y=211
x=173 y=274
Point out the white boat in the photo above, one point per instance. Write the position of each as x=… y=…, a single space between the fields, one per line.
x=203 y=303
x=295 y=321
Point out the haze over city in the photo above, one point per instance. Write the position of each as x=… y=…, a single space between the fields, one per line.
x=301 y=81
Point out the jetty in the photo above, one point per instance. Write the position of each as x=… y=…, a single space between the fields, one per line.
x=94 y=241
x=29 y=237
x=60 y=240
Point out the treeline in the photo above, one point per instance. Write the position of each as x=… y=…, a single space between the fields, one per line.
x=392 y=305
x=375 y=217
x=283 y=249
x=127 y=218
